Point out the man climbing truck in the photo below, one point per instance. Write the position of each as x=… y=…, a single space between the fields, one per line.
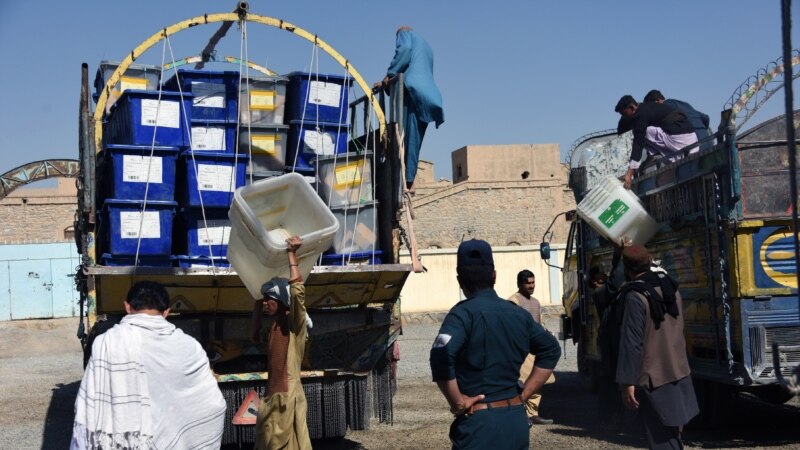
x=125 y=234
x=724 y=233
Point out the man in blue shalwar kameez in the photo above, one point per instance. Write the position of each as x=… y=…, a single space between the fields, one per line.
x=423 y=102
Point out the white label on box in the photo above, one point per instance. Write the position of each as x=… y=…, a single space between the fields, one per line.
x=217 y=233
x=215 y=178
x=325 y=94
x=208 y=138
x=167 y=116
x=135 y=167
x=208 y=95
x=317 y=142
x=130 y=221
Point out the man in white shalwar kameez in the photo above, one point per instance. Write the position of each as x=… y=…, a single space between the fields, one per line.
x=147 y=385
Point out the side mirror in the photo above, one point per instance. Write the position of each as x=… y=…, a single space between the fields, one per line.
x=544 y=250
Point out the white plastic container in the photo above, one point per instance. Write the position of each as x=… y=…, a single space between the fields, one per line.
x=262 y=100
x=265 y=145
x=345 y=178
x=357 y=231
x=267 y=212
x=617 y=213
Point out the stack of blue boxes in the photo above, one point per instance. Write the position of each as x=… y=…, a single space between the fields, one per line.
x=262 y=133
x=177 y=149
x=184 y=150
x=316 y=111
x=209 y=168
x=143 y=135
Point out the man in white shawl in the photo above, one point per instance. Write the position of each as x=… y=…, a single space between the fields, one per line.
x=147 y=384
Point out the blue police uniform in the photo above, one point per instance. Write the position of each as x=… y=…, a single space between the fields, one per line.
x=482 y=344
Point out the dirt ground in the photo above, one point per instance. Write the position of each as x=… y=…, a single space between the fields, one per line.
x=40 y=371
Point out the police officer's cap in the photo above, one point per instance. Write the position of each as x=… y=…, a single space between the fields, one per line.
x=475 y=252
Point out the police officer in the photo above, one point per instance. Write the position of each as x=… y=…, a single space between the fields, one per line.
x=476 y=357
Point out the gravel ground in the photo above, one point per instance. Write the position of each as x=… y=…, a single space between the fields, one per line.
x=41 y=370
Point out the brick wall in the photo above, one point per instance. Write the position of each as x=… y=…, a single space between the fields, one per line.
x=36 y=216
x=502 y=213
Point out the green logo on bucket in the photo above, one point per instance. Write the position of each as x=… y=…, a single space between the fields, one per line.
x=612 y=214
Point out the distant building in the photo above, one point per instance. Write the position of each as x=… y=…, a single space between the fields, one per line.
x=39 y=215
x=505 y=194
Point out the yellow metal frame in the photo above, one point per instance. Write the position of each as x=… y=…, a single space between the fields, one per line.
x=228 y=59
x=229 y=17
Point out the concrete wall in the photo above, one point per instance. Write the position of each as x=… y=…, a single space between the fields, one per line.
x=437 y=289
x=507 y=162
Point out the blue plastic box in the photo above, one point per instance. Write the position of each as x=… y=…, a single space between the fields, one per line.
x=127 y=167
x=335 y=259
x=188 y=262
x=215 y=175
x=198 y=237
x=320 y=139
x=122 y=221
x=216 y=94
x=317 y=97
x=213 y=136
x=138 y=114
x=144 y=261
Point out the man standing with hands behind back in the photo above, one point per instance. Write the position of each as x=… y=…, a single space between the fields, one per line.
x=526 y=284
x=476 y=357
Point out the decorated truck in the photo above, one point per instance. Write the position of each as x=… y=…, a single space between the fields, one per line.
x=164 y=147
x=724 y=233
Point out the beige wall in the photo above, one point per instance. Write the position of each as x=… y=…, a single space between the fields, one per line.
x=437 y=289
x=38 y=215
x=507 y=162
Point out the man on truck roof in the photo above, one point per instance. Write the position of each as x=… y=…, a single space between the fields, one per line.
x=422 y=100
x=659 y=128
x=700 y=121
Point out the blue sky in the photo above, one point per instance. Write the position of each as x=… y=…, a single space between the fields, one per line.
x=510 y=72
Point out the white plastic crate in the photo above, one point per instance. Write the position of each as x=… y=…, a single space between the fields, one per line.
x=617 y=213
x=345 y=179
x=267 y=212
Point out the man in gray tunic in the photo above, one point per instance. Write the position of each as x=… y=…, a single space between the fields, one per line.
x=653 y=370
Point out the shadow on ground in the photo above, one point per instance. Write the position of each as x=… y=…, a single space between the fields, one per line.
x=751 y=423
x=60 y=415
